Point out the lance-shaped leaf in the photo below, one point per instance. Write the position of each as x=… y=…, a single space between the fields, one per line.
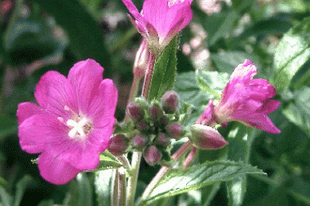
x=291 y=54
x=164 y=71
x=181 y=181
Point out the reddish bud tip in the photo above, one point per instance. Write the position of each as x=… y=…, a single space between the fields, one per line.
x=152 y=155
x=174 y=130
x=170 y=102
x=206 y=138
x=118 y=145
x=143 y=126
x=135 y=112
x=140 y=141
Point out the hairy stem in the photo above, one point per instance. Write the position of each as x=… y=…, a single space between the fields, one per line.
x=148 y=77
x=132 y=181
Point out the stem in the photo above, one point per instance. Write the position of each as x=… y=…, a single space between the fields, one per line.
x=190 y=157
x=162 y=172
x=132 y=181
x=122 y=187
x=114 y=201
x=124 y=161
x=148 y=76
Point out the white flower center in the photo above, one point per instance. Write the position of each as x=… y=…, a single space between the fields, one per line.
x=79 y=129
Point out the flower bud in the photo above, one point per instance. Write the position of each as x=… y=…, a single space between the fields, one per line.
x=170 y=102
x=140 y=141
x=143 y=126
x=162 y=139
x=163 y=121
x=206 y=138
x=142 y=59
x=155 y=112
x=135 y=111
x=152 y=155
x=118 y=145
x=174 y=130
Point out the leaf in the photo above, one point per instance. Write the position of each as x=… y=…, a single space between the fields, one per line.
x=20 y=189
x=212 y=82
x=181 y=181
x=80 y=192
x=86 y=38
x=227 y=61
x=5 y=198
x=219 y=25
x=103 y=184
x=240 y=139
x=298 y=111
x=46 y=203
x=291 y=54
x=108 y=161
x=187 y=87
x=164 y=71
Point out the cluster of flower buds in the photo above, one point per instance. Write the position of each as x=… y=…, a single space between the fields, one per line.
x=154 y=125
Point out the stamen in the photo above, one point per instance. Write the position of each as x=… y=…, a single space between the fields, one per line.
x=78 y=128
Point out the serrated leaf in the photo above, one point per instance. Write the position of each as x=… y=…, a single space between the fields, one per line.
x=212 y=82
x=103 y=186
x=193 y=178
x=108 y=161
x=186 y=86
x=291 y=54
x=164 y=71
x=20 y=189
x=298 y=111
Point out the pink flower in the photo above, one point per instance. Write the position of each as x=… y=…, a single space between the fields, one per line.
x=160 y=20
x=73 y=122
x=246 y=100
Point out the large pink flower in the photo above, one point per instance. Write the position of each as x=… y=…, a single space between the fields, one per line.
x=72 y=123
x=244 y=99
x=160 y=20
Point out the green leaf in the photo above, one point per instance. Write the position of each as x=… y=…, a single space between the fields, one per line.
x=164 y=71
x=291 y=54
x=298 y=111
x=103 y=186
x=5 y=198
x=86 y=38
x=80 y=192
x=108 y=161
x=187 y=87
x=228 y=61
x=212 y=82
x=219 y=25
x=240 y=139
x=20 y=189
x=181 y=181
x=46 y=203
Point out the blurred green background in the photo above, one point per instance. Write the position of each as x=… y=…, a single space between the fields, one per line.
x=41 y=35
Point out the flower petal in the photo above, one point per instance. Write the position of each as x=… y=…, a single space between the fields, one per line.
x=85 y=77
x=26 y=110
x=39 y=131
x=55 y=170
x=141 y=23
x=103 y=106
x=54 y=92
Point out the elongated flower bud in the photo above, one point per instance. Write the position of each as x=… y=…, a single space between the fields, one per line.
x=174 y=130
x=170 y=102
x=162 y=139
x=206 y=138
x=152 y=155
x=142 y=59
x=135 y=111
x=118 y=145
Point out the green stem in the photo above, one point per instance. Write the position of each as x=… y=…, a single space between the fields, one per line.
x=148 y=76
x=132 y=181
x=114 y=201
x=163 y=171
x=122 y=187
